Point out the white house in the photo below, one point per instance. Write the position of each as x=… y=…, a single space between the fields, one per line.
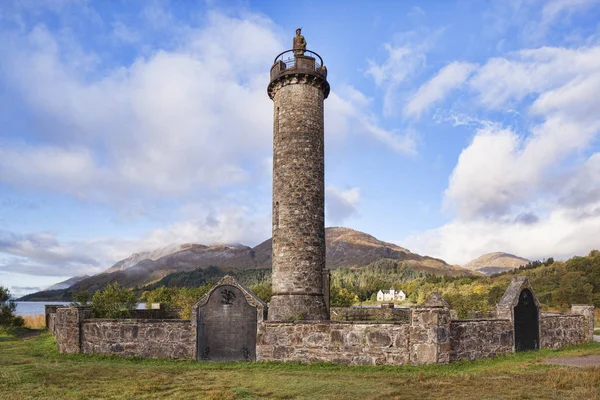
x=391 y=295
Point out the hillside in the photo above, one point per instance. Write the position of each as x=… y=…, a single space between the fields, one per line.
x=493 y=263
x=69 y=282
x=344 y=248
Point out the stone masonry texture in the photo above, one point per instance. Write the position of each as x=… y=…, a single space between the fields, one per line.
x=337 y=342
x=298 y=196
x=558 y=330
x=475 y=339
x=142 y=338
x=430 y=335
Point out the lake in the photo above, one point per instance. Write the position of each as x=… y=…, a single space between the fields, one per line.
x=37 y=307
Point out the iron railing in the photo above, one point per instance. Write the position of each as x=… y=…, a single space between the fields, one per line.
x=289 y=59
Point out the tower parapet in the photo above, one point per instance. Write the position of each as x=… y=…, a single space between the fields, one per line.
x=298 y=88
x=289 y=67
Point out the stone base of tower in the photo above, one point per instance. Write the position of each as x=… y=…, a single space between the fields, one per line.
x=285 y=307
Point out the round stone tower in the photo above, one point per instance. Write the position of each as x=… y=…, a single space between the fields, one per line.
x=298 y=88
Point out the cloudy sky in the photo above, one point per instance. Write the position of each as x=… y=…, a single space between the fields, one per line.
x=454 y=128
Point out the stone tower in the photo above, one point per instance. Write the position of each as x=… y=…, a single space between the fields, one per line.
x=298 y=88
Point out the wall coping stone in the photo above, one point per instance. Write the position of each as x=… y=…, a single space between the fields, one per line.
x=335 y=322
x=561 y=315
x=480 y=320
x=137 y=320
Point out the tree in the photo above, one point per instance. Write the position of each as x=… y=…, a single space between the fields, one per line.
x=574 y=289
x=80 y=298
x=7 y=309
x=264 y=291
x=494 y=295
x=186 y=297
x=114 y=301
x=162 y=295
x=341 y=297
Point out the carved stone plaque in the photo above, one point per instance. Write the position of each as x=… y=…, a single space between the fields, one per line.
x=227 y=327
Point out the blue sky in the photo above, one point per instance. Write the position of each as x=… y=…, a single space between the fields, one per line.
x=454 y=128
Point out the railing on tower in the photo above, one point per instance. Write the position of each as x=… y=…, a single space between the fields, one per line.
x=288 y=57
x=296 y=61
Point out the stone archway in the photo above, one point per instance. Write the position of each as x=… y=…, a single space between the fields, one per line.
x=226 y=326
x=526 y=318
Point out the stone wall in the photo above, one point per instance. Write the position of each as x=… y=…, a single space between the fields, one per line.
x=480 y=338
x=337 y=342
x=558 y=330
x=370 y=314
x=143 y=338
x=67 y=328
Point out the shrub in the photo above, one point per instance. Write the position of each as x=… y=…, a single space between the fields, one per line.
x=181 y=299
x=7 y=310
x=114 y=301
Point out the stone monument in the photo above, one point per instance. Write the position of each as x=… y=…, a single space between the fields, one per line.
x=298 y=88
x=299 y=43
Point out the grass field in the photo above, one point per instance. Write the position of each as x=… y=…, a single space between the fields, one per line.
x=31 y=368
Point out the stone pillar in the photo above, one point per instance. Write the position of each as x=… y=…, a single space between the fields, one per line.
x=298 y=92
x=430 y=333
x=68 y=328
x=50 y=313
x=588 y=312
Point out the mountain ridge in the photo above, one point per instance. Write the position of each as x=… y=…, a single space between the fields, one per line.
x=345 y=247
x=495 y=262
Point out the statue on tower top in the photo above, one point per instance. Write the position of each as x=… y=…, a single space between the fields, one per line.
x=299 y=44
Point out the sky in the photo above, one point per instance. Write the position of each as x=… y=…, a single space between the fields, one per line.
x=453 y=128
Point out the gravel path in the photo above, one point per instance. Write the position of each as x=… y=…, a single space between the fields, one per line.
x=576 y=361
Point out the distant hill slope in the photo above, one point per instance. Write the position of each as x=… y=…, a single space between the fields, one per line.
x=68 y=283
x=493 y=263
x=344 y=248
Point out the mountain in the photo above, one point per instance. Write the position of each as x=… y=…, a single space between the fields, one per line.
x=68 y=283
x=493 y=263
x=344 y=248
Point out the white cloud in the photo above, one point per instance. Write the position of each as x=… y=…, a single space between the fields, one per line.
x=556 y=8
x=533 y=192
x=557 y=235
x=448 y=78
x=502 y=82
x=404 y=59
x=125 y=33
x=340 y=204
x=168 y=123
x=347 y=112
x=501 y=169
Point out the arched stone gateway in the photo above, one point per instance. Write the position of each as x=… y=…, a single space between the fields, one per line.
x=527 y=327
x=226 y=320
x=520 y=305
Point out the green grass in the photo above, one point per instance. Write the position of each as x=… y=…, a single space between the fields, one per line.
x=32 y=368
